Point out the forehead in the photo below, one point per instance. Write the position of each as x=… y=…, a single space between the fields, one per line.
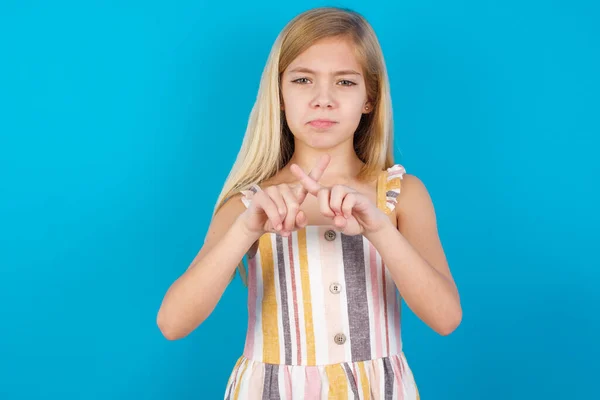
x=328 y=55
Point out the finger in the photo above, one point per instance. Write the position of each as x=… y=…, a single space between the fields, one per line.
x=292 y=206
x=323 y=199
x=340 y=222
x=338 y=192
x=265 y=203
x=348 y=204
x=275 y=195
x=301 y=220
x=316 y=173
x=309 y=184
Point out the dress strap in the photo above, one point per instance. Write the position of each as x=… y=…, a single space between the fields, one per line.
x=248 y=194
x=388 y=187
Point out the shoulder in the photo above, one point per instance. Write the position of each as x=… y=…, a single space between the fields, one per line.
x=231 y=209
x=414 y=200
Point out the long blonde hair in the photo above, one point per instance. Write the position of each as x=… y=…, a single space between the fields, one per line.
x=268 y=143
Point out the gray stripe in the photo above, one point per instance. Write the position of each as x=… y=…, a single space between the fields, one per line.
x=388 y=373
x=271 y=384
x=351 y=380
x=392 y=194
x=285 y=316
x=356 y=290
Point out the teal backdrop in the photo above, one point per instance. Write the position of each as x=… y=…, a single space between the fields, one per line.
x=119 y=122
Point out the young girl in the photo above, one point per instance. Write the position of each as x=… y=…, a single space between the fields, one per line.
x=329 y=252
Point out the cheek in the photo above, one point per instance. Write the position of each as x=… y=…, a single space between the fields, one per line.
x=353 y=111
x=293 y=110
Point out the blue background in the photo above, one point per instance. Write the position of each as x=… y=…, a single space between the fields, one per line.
x=119 y=122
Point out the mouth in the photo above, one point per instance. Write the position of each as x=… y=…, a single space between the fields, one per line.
x=322 y=123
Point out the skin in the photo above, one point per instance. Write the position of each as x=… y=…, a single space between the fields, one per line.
x=329 y=194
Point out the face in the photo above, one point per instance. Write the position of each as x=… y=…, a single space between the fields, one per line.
x=324 y=94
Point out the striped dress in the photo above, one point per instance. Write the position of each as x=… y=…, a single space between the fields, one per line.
x=323 y=316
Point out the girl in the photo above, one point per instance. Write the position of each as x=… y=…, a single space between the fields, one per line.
x=329 y=252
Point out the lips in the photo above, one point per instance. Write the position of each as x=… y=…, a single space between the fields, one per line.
x=322 y=123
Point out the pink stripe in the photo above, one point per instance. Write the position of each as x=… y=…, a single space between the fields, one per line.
x=397 y=378
x=391 y=315
x=288 y=381
x=400 y=366
x=312 y=383
x=375 y=288
x=249 y=347
x=397 y=321
x=384 y=287
x=295 y=299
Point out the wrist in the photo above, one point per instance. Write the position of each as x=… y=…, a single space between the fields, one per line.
x=383 y=230
x=248 y=234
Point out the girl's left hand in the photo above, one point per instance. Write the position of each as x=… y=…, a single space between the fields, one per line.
x=352 y=212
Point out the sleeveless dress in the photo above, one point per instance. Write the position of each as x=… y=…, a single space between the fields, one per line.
x=323 y=316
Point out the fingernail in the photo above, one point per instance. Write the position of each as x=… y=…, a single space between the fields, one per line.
x=279 y=227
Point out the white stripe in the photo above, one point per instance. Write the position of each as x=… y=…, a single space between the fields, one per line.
x=298 y=378
x=316 y=293
x=381 y=303
x=244 y=380
x=368 y=267
x=281 y=380
x=278 y=297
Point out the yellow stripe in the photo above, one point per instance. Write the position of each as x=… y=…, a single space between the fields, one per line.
x=270 y=324
x=394 y=183
x=338 y=382
x=308 y=318
x=364 y=380
x=239 y=380
x=381 y=189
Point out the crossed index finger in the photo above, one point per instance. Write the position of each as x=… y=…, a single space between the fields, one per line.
x=309 y=184
x=312 y=178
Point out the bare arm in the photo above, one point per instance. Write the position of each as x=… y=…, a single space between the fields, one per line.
x=415 y=258
x=195 y=294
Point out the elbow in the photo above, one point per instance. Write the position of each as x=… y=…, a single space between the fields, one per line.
x=169 y=330
x=451 y=323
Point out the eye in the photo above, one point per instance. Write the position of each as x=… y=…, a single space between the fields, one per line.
x=299 y=79
x=347 y=82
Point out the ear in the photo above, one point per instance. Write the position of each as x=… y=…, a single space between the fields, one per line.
x=368 y=107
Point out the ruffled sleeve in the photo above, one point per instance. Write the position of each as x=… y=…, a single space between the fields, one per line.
x=391 y=183
x=249 y=193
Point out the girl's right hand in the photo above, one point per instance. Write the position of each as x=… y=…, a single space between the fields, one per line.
x=277 y=208
x=274 y=209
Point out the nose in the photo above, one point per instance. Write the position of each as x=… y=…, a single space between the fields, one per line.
x=323 y=97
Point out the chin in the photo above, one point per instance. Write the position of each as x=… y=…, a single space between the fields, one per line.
x=321 y=140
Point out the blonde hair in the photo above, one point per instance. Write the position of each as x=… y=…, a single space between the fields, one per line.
x=268 y=143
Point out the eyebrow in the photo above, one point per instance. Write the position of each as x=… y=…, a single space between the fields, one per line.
x=310 y=71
